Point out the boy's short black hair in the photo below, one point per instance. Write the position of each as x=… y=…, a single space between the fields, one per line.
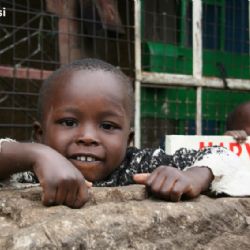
x=91 y=64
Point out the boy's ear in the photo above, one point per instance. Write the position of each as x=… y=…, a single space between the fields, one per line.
x=131 y=137
x=37 y=131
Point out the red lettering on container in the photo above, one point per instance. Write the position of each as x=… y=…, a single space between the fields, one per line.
x=248 y=148
x=234 y=145
x=202 y=144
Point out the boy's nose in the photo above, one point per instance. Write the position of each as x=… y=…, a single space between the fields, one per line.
x=88 y=136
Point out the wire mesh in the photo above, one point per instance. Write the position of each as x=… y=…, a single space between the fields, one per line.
x=167 y=37
x=36 y=37
x=167 y=48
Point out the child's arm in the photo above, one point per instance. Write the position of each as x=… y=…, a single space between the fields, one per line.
x=61 y=182
x=230 y=175
x=170 y=183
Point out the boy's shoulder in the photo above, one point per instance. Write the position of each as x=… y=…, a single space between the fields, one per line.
x=145 y=156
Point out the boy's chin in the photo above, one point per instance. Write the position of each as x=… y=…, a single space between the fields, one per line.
x=92 y=171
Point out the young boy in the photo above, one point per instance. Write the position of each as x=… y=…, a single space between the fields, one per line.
x=83 y=132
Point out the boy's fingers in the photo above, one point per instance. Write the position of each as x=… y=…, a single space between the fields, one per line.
x=181 y=188
x=152 y=177
x=89 y=184
x=60 y=197
x=166 y=188
x=141 y=178
x=156 y=185
x=49 y=196
x=177 y=191
x=70 y=197
x=82 y=197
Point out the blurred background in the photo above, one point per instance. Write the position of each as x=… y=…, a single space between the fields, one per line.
x=189 y=60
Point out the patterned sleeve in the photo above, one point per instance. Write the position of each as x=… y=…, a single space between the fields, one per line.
x=231 y=175
x=20 y=180
x=136 y=161
x=146 y=161
x=24 y=177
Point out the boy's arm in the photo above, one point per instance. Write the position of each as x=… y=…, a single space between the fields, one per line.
x=61 y=182
x=13 y=158
x=170 y=183
x=230 y=175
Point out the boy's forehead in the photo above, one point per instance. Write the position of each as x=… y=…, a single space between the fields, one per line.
x=92 y=83
x=95 y=82
x=95 y=78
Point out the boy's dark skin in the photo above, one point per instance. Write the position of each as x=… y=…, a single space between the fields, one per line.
x=87 y=117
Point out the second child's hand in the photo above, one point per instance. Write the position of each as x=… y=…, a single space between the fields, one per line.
x=239 y=135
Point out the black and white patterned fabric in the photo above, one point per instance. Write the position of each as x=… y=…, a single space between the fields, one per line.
x=136 y=161
x=231 y=175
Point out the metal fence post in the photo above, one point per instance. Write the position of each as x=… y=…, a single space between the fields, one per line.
x=137 y=119
x=197 y=60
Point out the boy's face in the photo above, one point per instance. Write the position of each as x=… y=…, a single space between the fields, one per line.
x=87 y=119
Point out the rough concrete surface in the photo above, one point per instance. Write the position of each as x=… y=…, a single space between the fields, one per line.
x=123 y=218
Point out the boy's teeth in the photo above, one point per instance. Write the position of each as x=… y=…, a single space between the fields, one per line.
x=85 y=158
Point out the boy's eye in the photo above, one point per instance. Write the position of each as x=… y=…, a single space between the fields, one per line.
x=68 y=123
x=108 y=126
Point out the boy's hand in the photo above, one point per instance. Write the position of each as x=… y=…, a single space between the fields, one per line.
x=239 y=135
x=169 y=183
x=62 y=183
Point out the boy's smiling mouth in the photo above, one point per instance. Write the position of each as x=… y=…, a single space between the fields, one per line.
x=85 y=158
x=90 y=165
